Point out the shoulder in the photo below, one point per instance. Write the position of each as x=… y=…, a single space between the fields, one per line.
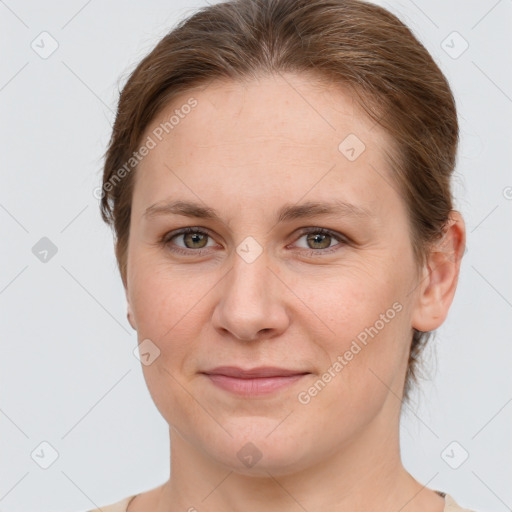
x=119 y=506
x=452 y=506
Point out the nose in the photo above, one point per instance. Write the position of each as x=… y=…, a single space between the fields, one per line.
x=252 y=301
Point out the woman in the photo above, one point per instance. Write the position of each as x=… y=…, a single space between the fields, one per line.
x=278 y=180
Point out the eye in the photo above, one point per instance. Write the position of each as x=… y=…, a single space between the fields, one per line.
x=194 y=239
x=319 y=240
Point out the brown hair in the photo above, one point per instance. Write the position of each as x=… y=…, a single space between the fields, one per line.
x=359 y=45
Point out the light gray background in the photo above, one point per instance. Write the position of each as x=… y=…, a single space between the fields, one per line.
x=68 y=374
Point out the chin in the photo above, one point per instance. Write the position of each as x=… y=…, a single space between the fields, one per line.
x=258 y=448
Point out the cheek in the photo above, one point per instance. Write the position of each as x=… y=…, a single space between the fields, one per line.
x=167 y=313
x=366 y=361
x=164 y=298
x=171 y=397
x=345 y=300
x=363 y=330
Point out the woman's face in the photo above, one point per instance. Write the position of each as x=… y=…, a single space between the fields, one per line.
x=259 y=285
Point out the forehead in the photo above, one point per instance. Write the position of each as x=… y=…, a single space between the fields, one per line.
x=301 y=109
x=284 y=129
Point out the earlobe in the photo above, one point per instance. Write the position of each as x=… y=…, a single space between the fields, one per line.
x=129 y=313
x=439 y=280
x=129 y=316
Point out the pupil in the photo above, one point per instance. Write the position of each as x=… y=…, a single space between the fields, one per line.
x=196 y=238
x=319 y=238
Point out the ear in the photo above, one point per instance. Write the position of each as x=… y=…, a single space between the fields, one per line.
x=440 y=275
x=129 y=314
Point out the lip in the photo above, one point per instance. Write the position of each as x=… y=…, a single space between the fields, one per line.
x=262 y=380
x=254 y=373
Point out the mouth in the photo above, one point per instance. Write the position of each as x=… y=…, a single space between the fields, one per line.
x=254 y=381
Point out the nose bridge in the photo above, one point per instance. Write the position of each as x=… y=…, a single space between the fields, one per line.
x=249 y=279
x=250 y=259
x=250 y=301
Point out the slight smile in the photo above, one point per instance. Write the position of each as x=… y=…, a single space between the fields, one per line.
x=255 y=381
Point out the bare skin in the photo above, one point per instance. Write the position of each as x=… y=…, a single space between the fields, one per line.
x=246 y=150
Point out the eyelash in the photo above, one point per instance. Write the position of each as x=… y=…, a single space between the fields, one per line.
x=166 y=239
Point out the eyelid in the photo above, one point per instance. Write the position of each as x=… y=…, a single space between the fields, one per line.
x=342 y=240
x=168 y=236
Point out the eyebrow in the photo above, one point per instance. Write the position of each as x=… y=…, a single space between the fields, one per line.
x=287 y=213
